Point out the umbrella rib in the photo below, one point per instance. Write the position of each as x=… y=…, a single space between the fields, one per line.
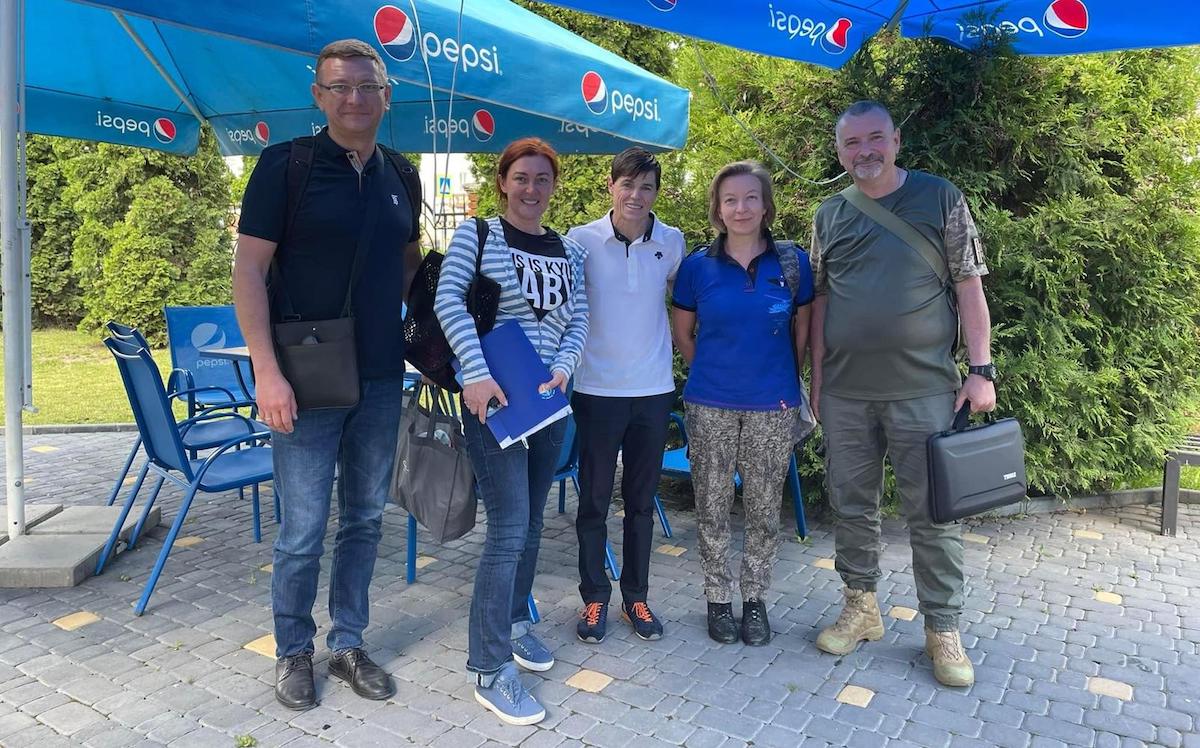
x=141 y=45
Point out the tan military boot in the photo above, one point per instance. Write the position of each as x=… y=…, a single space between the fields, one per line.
x=950 y=664
x=859 y=620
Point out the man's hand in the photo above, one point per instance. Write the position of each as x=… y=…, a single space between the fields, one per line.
x=558 y=380
x=276 y=402
x=980 y=392
x=814 y=398
x=477 y=394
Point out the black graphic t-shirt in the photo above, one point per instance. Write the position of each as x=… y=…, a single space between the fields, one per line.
x=543 y=269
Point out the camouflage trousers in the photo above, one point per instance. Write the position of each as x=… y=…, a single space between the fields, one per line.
x=759 y=445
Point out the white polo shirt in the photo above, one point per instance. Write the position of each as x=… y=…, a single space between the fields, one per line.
x=628 y=348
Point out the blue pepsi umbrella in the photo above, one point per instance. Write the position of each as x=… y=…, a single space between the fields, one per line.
x=146 y=72
x=829 y=32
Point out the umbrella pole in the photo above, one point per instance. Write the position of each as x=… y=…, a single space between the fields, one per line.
x=11 y=251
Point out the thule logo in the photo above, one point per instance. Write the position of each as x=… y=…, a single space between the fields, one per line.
x=1009 y=476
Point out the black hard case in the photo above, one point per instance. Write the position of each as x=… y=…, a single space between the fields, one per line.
x=975 y=468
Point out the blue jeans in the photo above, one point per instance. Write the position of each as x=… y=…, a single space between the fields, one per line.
x=513 y=484
x=361 y=442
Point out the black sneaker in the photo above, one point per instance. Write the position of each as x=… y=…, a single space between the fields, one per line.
x=721 y=625
x=756 y=629
x=593 y=623
x=294 y=686
x=367 y=679
x=644 y=622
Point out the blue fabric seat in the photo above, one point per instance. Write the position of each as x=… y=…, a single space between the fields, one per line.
x=213 y=381
x=239 y=462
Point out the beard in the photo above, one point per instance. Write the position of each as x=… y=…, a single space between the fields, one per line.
x=868 y=169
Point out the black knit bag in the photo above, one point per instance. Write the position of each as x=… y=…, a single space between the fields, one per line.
x=425 y=345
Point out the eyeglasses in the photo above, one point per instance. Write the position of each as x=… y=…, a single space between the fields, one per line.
x=344 y=89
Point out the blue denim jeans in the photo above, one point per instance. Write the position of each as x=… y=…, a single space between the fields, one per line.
x=361 y=442
x=513 y=484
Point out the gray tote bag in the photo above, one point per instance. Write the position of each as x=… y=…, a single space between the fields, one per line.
x=432 y=478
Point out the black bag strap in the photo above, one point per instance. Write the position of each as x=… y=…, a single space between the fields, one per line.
x=915 y=240
x=410 y=178
x=481 y=230
x=365 y=234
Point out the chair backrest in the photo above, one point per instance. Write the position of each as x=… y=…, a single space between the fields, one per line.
x=151 y=410
x=193 y=329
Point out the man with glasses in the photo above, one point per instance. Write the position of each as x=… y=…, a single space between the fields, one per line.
x=305 y=228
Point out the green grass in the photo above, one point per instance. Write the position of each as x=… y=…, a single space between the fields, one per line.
x=75 y=380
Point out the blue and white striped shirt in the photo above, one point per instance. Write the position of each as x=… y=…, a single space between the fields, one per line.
x=558 y=337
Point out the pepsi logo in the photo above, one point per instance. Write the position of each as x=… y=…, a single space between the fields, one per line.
x=1067 y=18
x=837 y=37
x=663 y=5
x=207 y=335
x=483 y=125
x=595 y=92
x=164 y=130
x=396 y=33
x=262 y=133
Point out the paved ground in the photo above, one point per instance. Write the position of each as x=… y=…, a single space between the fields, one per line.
x=1083 y=628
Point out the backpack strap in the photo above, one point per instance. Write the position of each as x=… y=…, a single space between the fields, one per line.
x=299 y=168
x=410 y=178
x=790 y=264
x=918 y=242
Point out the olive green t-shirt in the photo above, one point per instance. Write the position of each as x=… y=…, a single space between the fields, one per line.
x=889 y=325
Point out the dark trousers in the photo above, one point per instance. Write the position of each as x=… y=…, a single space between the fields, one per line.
x=637 y=428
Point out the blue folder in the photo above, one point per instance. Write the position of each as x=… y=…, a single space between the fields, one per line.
x=518 y=369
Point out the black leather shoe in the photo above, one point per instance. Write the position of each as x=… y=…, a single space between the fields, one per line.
x=294 y=681
x=756 y=629
x=366 y=678
x=721 y=625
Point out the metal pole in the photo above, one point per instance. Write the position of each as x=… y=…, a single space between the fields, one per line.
x=24 y=229
x=10 y=266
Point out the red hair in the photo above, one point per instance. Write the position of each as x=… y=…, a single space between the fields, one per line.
x=520 y=149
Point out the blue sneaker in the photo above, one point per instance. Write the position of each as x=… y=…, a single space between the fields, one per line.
x=593 y=623
x=508 y=699
x=531 y=654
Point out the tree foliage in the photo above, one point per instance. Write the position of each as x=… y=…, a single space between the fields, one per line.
x=121 y=232
x=1082 y=176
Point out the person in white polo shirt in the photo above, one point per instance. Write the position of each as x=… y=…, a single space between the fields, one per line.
x=624 y=388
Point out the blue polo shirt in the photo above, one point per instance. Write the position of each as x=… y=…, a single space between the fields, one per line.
x=744 y=351
x=316 y=256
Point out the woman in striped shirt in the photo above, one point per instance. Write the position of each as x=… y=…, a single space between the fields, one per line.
x=541 y=280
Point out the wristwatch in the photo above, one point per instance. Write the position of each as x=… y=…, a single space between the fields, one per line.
x=987 y=371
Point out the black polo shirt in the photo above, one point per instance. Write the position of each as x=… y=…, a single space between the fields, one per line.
x=315 y=258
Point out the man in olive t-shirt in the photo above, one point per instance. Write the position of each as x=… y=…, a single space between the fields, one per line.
x=885 y=379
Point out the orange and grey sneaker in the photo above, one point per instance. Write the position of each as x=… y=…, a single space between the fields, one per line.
x=645 y=624
x=593 y=623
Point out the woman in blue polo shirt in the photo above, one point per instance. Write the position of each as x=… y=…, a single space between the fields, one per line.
x=739 y=317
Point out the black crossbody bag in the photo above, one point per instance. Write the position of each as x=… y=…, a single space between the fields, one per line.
x=319 y=358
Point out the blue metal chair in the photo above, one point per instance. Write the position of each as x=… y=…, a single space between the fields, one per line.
x=202 y=435
x=192 y=329
x=677 y=465
x=224 y=469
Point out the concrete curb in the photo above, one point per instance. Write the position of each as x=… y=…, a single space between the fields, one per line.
x=1115 y=499
x=76 y=428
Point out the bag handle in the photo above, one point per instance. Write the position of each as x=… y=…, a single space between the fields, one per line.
x=963 y=416
x=916 y=241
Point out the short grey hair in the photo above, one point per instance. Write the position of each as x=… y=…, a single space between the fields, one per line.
x=859 y=108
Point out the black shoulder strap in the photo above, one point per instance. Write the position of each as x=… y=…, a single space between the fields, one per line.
x=410 y=178
x=299 y=167
x=481 y=230
x=907 y=233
